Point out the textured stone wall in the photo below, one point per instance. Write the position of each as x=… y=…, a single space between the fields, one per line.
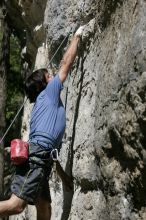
x=120 y=112
x=104 y=143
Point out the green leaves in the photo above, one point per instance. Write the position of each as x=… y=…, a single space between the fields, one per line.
x=14 y=81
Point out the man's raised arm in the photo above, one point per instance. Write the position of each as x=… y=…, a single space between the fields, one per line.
x=70 y=55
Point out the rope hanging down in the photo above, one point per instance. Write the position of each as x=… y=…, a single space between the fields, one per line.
x=12 y=121
x=57 y=51
x=26 y=99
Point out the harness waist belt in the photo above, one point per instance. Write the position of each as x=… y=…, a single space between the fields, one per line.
x=43 y=137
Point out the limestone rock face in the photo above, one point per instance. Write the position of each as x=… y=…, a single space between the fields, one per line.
x=104 y=146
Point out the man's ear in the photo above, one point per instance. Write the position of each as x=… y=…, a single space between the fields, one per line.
x=47 y=77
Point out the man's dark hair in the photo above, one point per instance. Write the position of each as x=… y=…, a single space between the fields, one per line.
x=35 y=83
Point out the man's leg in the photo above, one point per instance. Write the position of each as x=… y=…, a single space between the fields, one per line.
x=43 y=209
x=12 y=206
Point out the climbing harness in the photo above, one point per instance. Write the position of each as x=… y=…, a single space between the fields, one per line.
x=26 y=98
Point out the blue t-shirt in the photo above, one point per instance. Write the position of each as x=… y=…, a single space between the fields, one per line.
x=48 y=120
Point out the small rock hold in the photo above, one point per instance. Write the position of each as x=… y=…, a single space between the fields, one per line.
x=144 y=75
x=88 y=207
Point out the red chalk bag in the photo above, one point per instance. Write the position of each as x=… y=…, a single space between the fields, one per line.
x=19 y=151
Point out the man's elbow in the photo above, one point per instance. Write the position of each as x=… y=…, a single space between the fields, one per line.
x=66 y=61
x=63 y=71
x=65 y=66
x=63 y=63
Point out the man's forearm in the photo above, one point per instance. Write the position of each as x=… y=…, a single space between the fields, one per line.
x=71 y=52
x=68 y=58
x=70 y=55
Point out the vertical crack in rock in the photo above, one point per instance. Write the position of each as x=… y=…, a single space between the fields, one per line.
x=68 y=196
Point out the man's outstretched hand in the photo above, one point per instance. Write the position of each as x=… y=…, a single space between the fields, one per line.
x=79 y=31
x=86 y=30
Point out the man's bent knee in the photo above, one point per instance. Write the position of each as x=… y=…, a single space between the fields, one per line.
x=17 y=205
x=16 y=208
x=12 y=206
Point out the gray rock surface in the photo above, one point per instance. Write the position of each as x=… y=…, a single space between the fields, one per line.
x=104 y=146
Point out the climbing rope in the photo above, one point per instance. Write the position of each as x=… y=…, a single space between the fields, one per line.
x=26 y=99
x=57 y=51
x=12 y=121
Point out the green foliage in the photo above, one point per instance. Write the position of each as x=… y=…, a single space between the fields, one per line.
x=15 y=60
x=14 y=81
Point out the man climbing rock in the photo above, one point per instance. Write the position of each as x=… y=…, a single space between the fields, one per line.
x=47 y=125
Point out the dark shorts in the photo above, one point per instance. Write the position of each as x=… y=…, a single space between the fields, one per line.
x=31 y=179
